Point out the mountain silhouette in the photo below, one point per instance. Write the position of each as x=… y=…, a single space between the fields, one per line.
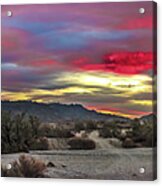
x=52 y=112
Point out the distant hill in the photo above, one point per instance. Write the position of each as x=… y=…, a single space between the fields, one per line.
x=53 y=112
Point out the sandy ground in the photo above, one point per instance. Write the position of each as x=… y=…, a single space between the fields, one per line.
x=111 y=163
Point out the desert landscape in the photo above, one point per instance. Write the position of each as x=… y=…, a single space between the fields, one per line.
x=111 y=164
x=115 y=148
x=79 y=91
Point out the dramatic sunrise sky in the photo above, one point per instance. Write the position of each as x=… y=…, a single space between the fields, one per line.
x=98 y=55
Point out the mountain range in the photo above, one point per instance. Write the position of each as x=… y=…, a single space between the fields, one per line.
x=53 y=112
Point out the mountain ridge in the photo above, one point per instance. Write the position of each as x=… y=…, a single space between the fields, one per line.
x=50 y=112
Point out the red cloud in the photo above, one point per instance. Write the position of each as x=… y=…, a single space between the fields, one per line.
x=138 y=23
x=127 y=63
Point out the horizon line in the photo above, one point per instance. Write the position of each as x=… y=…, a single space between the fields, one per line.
x=106 y=112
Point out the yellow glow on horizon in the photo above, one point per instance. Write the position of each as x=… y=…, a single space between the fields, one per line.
x=14 y=96
x=112 y=112
x=90 y=83
x=142 y=102
x=131 y=84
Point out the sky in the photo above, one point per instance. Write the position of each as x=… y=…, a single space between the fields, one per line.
x=99 y=55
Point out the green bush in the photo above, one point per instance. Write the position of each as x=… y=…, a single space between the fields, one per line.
x=17 y=132
x=81 y=143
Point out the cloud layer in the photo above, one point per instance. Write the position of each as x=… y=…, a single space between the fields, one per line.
x=99 y=55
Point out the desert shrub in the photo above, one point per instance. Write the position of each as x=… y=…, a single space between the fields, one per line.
x=25 y=166
x=55 y=132
x=129 y=134
x=144 y=133
x=105 y=132
x=39 y=144
x=109 y=130
x=81 y=143
x=149 y=136
x=79 y=126
x=85 y=125
x=45 y=130
x=128 y=143
x=62 y=133
x=90 y=125
x=136 y=127
x=35 y=125
x=17 y=132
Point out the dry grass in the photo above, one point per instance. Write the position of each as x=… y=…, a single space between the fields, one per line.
x=25 y=166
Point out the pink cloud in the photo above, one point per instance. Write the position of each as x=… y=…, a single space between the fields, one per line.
x=145 y=22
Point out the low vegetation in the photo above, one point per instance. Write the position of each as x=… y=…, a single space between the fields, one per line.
x=55 y=131
x=128 y=143
x=25 y=166
x=19 y=133
x=88 y=125
x=144 y=132
x=41 y=143
x=81 y=143
x=109 y=130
